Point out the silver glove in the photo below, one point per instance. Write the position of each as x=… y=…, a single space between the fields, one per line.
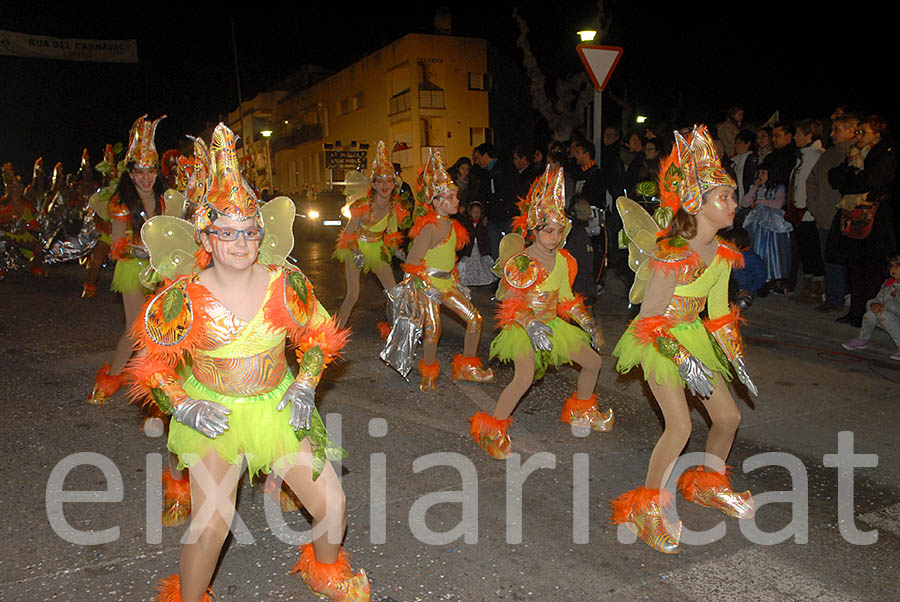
x=539 y=334
x=464 y=290
x=358 y=260
x=399 y=254
x=597 y=340
x=434 y=294
x=206 y=417
x=741 y=371
x=697 y=376
x=302 y=398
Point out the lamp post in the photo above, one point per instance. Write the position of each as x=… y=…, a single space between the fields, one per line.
x=268 y=134
x=587 y=36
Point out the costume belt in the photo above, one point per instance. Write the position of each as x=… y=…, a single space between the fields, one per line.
x=369 y=236
x=436 y=273
x=683 y=310
x=543 y=304
x=241 y=376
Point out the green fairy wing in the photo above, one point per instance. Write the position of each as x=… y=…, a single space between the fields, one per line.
x=170 y=241
x=174 y=203
x=640 y=235
x=278 y=222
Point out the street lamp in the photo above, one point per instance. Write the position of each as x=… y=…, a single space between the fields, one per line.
x=587 y=35
x=641 y=119
x=268 y=134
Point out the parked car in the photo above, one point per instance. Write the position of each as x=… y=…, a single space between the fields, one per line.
x=321 y=216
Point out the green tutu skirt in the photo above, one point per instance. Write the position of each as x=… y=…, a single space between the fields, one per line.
x=126 y=276
x=257 y=432
x=693 y=336
x=566 y=338
x=376 y=255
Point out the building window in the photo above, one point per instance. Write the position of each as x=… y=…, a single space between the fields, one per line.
x=479 y=81
x=344 y=107
x=431 y=99
x=399 y=102
x=357 y=102
x=480 y=135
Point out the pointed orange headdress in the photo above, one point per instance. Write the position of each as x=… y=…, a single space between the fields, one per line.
x=435 y=178
x=215 y=184
x=85 y=160
x=381 y=164
x=142 y=143
x=57 y=178
x=690 y=170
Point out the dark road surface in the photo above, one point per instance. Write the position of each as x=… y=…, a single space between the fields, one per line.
x=431 y=517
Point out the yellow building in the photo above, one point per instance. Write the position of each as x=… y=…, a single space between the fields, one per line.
x=421 y=92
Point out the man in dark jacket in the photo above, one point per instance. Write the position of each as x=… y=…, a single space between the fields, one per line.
x=783 y=159
x=496 y=189
x=865 y=255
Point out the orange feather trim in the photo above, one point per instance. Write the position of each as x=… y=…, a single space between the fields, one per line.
x=400 y=212
x=571 y=264
x=384 y=330
x=393 y=240
x=699 y=478
x=170 y=590
x=317 y=574
x=346 y=239
x=646 y=329
x=637 y=500
x=731 y=254
x=520 y=222
x=120 y=249
x=197 y=337
x=202 y=258
x=509 y=308
x=460 y=362
x=692 y=262
x=359 y=210
x=563 y=308
x=327 y=336
x=482 y=422
x=414 y=269
x=573 y=405
x=429 y=370
x=429 y=218
x=734 y=316
x=108 y=383
x=173 y=488
x=462 y=235
x=139 y=372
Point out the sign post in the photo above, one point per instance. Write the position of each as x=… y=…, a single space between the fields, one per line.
x=599 y=62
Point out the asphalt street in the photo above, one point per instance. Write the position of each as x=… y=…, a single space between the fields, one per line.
x=442 y=520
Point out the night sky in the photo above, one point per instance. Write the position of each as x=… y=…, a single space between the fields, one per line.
x=699 y=57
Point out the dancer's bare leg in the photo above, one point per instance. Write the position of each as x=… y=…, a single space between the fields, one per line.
x=323 y=499
x=725 y=417
x=518 y=386
x=209 y=527
x=590 y=362
x=352 y=296
x=675 y=435
x=132 y=303
x=385 y=277
x=97 y=259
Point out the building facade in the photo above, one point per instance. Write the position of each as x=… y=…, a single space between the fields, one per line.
x=421 y=92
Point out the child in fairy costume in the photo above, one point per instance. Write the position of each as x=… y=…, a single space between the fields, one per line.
x=19 y=221
x=231 y=316
x=373 y=233
x=688 y=269
x=98 y=202
x=431 y=270
x=536 y=300
x=138 y=197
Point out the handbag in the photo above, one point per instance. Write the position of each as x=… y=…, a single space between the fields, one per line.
x=793 y=214
x=857 y=222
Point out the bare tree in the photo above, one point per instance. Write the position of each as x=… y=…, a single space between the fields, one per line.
x=566 y=113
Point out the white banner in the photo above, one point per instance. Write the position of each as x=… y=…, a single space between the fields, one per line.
x=67 y=49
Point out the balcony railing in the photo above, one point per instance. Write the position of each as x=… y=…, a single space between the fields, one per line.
x=301 y=135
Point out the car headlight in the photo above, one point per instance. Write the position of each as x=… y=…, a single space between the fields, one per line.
x=313 y=214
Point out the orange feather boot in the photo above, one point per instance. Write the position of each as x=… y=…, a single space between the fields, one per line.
x=332 y=581
x=176 y=500
x=170 y=590
x=469 y=368
x=713 y=489
x=584 y=413
x=641 y=510
x=105 y=385
x=430 y=373
x=490 y=433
